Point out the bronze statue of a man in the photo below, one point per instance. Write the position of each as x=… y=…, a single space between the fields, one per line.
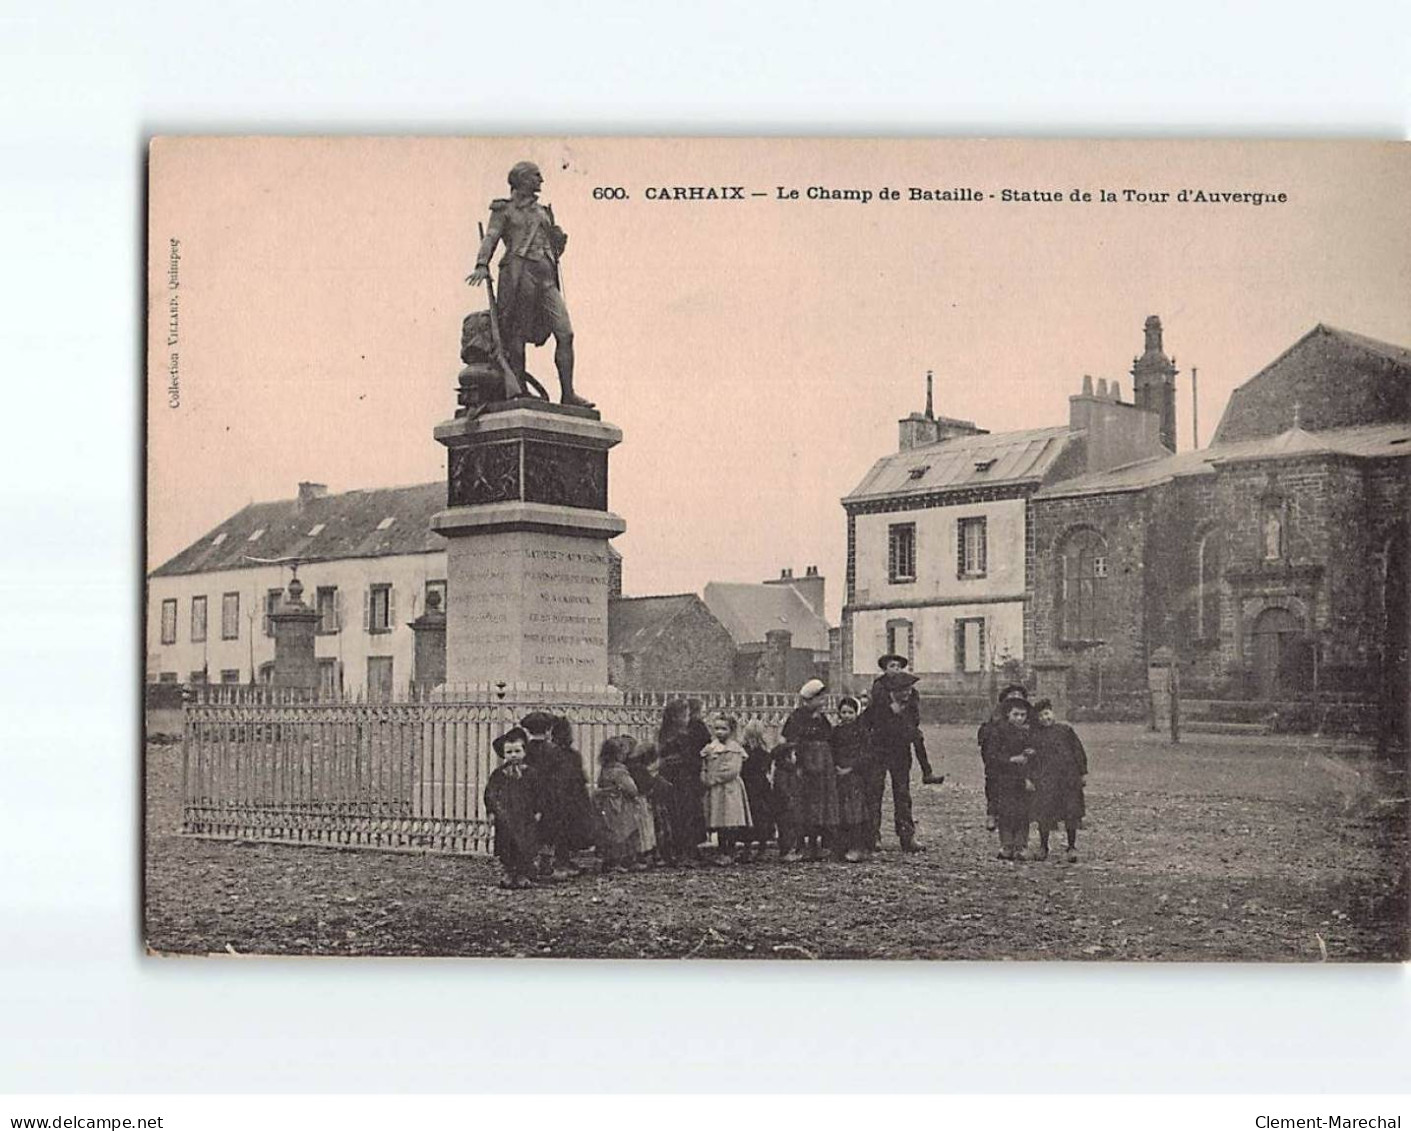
x=530 y=304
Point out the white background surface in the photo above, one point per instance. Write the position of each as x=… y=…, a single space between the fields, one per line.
x=83 y=85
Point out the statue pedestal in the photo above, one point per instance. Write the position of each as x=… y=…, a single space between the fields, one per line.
x=527 y=527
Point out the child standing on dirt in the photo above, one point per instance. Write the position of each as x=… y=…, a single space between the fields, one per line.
x=1008 y=755
x=788 y=800
x=643 y=764
x=1059 y=772
x=513 y=800
x=758 y=792
x=620 y=836
x=727 y=808
x=853 y=758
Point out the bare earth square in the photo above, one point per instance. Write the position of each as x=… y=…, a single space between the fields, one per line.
x=1284 y=850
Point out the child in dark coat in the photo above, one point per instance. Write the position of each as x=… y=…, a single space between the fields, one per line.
x=853 y=759
x=1059 y=772
x=1008 y=756
x=997 y=716
x=512 y=798
x=757 y=788
x=808 y=729
x=788 y=800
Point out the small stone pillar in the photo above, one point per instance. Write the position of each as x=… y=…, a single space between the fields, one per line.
x=295 y=625
x=429 y=655
x=527 y=562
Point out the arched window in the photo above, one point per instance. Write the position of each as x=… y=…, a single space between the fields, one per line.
x=1207 y=585
x=1081 y=586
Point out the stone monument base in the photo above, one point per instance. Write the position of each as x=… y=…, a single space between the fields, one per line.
x=527 y=558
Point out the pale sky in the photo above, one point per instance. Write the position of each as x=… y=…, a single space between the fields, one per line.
x=756 y=354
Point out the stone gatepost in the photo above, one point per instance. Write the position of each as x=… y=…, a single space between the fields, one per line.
x=429 y=651
x=527 y=525
x=295 y=625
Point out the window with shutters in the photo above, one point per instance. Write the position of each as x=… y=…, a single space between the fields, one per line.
x=169 y=621
x=970 y=644
x=1082 y=581
x=330 y=610
x=972 y=549
x=198 y=619
x=901 y=552
x=272 y=599
x=380 y=616
x=900 y=639
x=330 y=679
x=230 y=620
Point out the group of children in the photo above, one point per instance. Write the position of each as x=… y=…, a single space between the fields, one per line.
x=1035 y=771
x=816 y=793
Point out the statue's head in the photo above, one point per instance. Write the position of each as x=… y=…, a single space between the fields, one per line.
x=525 y=176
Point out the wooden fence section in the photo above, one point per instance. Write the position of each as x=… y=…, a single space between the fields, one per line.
x=406 y=776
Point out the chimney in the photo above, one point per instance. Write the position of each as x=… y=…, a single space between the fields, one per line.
x=308 y=492
x=927 y=428
x=811 y=586
x=1154 y=382
x=1114 y=433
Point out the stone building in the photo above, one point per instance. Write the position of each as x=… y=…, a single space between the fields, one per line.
x=940 y=533
x=370 y=564
x=1270 y=566
x=668 y=643
x=778 y=627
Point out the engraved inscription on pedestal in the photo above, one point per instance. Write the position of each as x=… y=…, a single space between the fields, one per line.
x=534 y=609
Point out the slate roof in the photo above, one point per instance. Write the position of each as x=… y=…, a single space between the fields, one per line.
x=1368 y=441
x=1011 y=458
x=1340 y=377
x=349 y=522
x=636 y=623
x=749 y=611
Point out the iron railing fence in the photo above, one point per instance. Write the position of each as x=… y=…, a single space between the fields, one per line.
x=268 y=764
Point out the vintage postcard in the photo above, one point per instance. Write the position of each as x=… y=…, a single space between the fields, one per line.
x=666 y=548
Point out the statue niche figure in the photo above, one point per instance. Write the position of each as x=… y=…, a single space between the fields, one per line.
x=530 y=306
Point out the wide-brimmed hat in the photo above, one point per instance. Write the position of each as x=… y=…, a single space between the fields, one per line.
x=898 y=681
x=892 y=658
x=812 y=689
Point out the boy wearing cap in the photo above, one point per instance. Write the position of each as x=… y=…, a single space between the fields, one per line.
x=512 y=798
x=1059 y=772
x=982 y=736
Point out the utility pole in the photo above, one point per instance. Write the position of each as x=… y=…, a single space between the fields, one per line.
x=1195 y=410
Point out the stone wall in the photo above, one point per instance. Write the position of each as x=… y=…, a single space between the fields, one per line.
x=694 y=654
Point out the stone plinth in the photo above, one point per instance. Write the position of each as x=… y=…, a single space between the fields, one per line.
x=527 y=526
x=429 y=651
x=295 y=625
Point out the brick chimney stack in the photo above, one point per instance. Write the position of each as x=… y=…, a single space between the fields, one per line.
x=308 y=492
x=927 y=428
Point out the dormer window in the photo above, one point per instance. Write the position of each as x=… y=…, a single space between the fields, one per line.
x=918 y=472
x=255 y=537
x=387 y=522
x=984 y=464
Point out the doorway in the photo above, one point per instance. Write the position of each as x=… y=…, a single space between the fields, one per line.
x=1283 y=655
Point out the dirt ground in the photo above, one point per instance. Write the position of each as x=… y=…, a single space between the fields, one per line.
x=1215 y=849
